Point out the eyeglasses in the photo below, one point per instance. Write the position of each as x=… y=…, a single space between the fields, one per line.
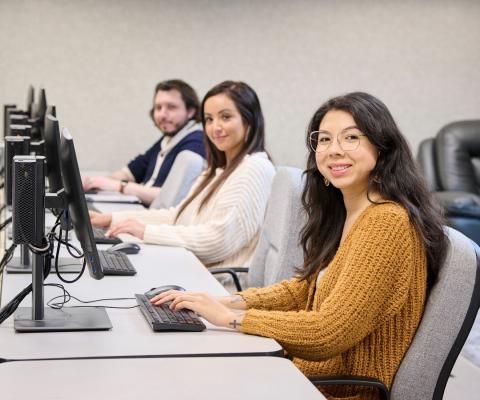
x=348 y=140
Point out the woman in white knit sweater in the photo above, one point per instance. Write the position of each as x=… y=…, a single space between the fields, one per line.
x=220 y=219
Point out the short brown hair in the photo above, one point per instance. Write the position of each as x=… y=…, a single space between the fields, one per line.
x=189 y=96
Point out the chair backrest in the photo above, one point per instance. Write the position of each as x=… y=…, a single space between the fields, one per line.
x=278 y=252
x=449 y=314
x=427 y=164
x=457 y=148
x=185 y=169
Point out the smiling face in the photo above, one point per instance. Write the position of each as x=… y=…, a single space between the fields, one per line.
x=346 y=170
x=169 y=111
x=224 y=125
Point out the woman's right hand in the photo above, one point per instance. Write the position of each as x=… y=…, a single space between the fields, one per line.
x=100 y=219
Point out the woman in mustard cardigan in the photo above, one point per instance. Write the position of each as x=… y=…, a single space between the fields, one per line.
x=372 y=245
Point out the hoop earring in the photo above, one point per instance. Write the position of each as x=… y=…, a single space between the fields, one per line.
x=326 y=181
x=376 y=179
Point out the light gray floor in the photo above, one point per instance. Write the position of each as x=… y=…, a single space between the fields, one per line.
x=465 y=380
x=471 y=349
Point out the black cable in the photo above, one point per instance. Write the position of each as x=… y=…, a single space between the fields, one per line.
x=67 y=297
x=46 y=251
x=3 y=207
x=5 y=223
x=69 y=246
x=10 y=308
x=7 y=257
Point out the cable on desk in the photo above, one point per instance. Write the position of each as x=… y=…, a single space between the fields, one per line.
x=66 y=296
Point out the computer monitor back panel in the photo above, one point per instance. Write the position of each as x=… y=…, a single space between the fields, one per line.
x=77 y=205
x=52 y=148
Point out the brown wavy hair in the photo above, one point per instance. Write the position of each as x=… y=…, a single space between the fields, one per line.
x=395 y=177
x=189 y=96
x=248 y=105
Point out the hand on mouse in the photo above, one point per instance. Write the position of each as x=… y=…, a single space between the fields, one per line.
x=131 y=226
x=100 y=219
x=203 y=304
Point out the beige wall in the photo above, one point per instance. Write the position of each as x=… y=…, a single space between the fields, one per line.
x=99 y=61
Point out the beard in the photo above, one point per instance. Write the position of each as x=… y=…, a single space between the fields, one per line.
x=177 y=128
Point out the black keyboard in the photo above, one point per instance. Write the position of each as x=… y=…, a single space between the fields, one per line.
x=161 y=318
x=115 y=263
x=100 y=238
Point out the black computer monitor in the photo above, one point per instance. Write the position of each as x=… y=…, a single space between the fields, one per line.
x=40 y=108
x=77 y=206
x=52 y=148
x=51 y=110
x=6 y=118
x=30 y=99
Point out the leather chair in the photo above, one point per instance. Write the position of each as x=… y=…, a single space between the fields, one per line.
x=451 y=167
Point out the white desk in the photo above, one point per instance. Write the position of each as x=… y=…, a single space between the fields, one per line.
x=233 y=378
x=131 y=336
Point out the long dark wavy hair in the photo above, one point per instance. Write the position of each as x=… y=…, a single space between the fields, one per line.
x=395 y=177
x=248 y=105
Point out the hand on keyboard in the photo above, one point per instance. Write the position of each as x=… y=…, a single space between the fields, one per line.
x=100 y=219
x=204 y=304
x=161 y=318
x=131 y=226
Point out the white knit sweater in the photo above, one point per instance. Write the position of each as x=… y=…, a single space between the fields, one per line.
x=226 y=231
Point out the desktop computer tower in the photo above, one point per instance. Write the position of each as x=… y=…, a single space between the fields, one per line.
x=14 y=146
x=28 y=200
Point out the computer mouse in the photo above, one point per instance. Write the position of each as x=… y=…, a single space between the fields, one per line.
x=157 y=290
x=126 y=247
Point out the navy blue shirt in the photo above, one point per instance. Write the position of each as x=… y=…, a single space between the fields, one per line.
x=143 y=165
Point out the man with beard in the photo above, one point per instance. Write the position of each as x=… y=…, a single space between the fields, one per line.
x=175 y=113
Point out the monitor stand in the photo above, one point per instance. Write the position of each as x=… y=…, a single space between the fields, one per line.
x=44 y=319
x=23 y=265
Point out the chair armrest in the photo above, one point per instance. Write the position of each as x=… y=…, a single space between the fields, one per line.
x=383 y=391
x=459 y=204
x=232 y=271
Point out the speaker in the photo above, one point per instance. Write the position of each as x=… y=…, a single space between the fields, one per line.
x=14 y=146
x=28 y=200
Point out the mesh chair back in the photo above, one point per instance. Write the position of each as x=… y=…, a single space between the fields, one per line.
x=278 y=252
x=185 y=170
x=449 y=314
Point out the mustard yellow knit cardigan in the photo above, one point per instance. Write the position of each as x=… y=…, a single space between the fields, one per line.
x=362 y=317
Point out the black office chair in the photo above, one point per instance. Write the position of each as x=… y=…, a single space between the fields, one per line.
x=450 y=312
x=451 y=166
